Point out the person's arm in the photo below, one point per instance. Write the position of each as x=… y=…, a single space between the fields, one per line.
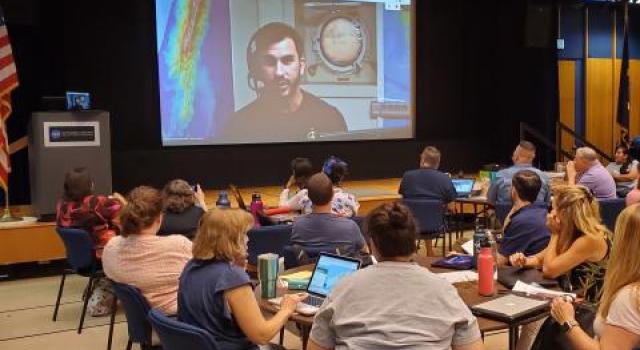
x=534 y=261
x=612 y=337
x=571 y=173
x=631 y=176
x=314 y=346
x=199 y=194
x=284 y=198
x=555 y=265
x=476 y=345
x=245 y=310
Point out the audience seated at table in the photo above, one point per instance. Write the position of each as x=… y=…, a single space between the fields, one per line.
x=617 y=324
x=215 y=291
x=525 y=228
x=587 y=171
x=301 y=171
x=428 y=182
x=140 y=258
x=394 y=304
x=322 y=229
x=523 y=155
x=624 y=171
x=343 y=203
x=577 y=251
x=183 y=208
x=81 y=208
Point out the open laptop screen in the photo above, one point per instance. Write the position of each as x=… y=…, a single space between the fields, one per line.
x=463 y=186
x=328 y=271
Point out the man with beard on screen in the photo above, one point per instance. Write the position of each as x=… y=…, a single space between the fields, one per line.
x=282 y=110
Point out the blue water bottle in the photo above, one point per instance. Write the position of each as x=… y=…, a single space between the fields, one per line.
x=479 y=235
x=223 y=200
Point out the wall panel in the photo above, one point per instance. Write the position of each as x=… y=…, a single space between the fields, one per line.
x=567 y=93
x=634 y=87
x=599 y=103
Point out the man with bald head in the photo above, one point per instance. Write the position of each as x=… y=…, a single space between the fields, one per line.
x=586 y=170
x=523 y=155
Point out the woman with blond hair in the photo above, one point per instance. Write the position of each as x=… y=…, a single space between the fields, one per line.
x=617 y=324
x=215 y=292
x=576 y=252
x=579 y=243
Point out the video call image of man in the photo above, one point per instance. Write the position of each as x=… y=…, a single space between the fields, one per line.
x=282 y=110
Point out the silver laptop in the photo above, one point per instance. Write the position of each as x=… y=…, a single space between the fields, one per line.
x=328 y=271
x=510 y=307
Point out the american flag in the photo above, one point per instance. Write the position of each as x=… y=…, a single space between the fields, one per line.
x=8 y=82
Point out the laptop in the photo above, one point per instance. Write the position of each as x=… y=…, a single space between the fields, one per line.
x=463 y=187
x=328 y=271
x=510 y=307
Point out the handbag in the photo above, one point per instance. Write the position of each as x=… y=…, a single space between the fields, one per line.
x=551 y=335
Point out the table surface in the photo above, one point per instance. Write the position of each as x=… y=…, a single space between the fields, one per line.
x=468 y=292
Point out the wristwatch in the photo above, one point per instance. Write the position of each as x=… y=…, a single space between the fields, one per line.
x=568 y=325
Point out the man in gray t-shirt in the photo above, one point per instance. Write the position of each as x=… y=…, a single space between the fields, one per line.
x=321 y=228
x=394 y=305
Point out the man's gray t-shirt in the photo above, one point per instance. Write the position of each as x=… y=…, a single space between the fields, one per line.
x=319 y=230
x=394 y=305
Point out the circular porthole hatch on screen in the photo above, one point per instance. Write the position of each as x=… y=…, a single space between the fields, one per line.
x=342 y=44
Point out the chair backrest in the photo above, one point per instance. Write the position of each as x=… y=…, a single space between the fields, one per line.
x=267 y=239
x=176 y=335
x=79 y=246
x=136 y=308
x=609 y=211
x=429 y=214
x=502 y=210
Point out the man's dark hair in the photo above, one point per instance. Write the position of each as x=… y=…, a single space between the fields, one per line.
x=393 y=230
x=528 y=146
x=268 y=35
x=77 y=184
x=320 y=189
x=301 y=167
x=527 y=184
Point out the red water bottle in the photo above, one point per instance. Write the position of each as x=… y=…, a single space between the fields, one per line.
x=486 y=264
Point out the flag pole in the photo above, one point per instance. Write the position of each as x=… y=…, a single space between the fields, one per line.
x=7 y=217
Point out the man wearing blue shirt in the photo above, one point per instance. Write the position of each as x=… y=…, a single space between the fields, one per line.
x=428 y=182
x=525 y=228
x=523 y=155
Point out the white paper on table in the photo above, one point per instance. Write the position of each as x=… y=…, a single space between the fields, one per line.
x=540 y=291
x=459 y=276
x=468 y=247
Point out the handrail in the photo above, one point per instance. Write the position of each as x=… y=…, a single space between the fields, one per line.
x=526 y=128
x=557 y=146
x=562 y=127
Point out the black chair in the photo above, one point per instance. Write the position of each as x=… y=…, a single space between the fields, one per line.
x=502 y=210
x=136 y=309
x=176 y=335
x=267 y=239
x=82 y=260
x=430 y=215
x=609 y=211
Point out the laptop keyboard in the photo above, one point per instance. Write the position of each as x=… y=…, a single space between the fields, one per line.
x=314 y=301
